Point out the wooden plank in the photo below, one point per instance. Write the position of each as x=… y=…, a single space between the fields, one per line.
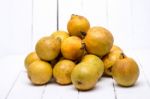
x=104 y=89
x=4 y=24
x=141 y=88
x=120 y=22
x=97 y=14
x=143 y=56
x=141 y=23
x=44 y=18
x=23 y=89
x=96 y=11
x=66 y=9
x=60 y=92
x=15 y=23
x=10 y=69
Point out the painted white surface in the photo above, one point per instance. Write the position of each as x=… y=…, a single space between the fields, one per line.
x=15 y=83
x=141 y=23
x=23 y=89
x=23 y=22
x=44 y=19
x=15 y=26
x=66 y=9
x=120 y=22
x=143 y=56
x=60 y=92
x=9 y=72
x=104 y=89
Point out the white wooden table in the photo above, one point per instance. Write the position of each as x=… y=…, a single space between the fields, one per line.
x=14 y=83
x=23 y=22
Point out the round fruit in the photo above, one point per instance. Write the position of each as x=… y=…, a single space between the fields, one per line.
x=40 y=72
x=60 y=34
x=31 y=57
x=62 y=71
x=125 y=71
x=78 y=25
x=84 y=76
x=48 y=48
x=110 y=59
x=98 y=41
x=96 y=61
x=72 y=48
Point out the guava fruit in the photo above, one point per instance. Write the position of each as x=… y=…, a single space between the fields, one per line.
x=86 y=73
x=125 y=72
x=84 y=76
x=98 y=41
x=78 y=25
x=72 y=48
x=60 y=34
x=110 y=59
x=62 y=71
x=40 y=72
x=48 y=48
x=96 y=61
x=31 y=57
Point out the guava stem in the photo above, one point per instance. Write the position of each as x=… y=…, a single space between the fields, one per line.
x=110 y=69
x=123 y=55
x=83 y=45
x=83 y=33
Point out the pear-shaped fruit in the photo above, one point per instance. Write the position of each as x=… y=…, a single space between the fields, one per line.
x=98 y=41
x=31 y=57
x=62 y=71
x=60 y=34
x=110 y=59
x=125 y=71
x=40 y=72
x=84 y=76
x=48 y=48
x=72 y=48
x=78 y=25
x=96 y=61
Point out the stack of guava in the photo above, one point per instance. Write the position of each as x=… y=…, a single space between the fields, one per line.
x=80 y=57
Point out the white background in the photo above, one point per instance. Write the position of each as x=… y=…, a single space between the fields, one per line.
x=23 y=22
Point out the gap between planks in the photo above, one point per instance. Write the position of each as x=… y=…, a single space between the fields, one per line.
x=142 y=70
x=115 y=94
x=43 y=92
x=13 y=84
